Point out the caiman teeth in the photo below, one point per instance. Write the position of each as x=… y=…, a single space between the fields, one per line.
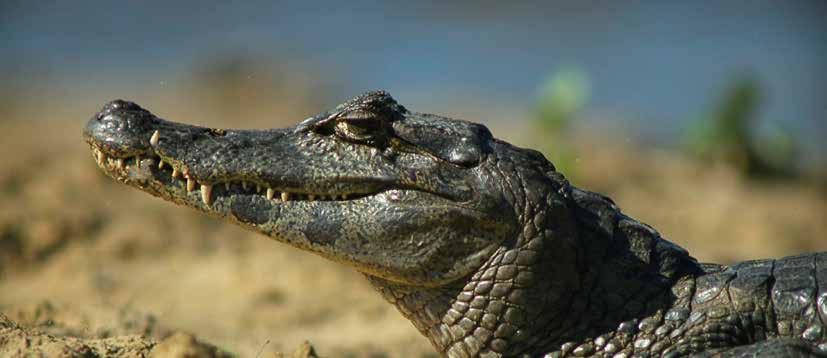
x=154 y=139
x=101 y=158
x=206 y=193
x=230 y=187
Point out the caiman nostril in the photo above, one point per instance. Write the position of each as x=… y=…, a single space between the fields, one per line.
x=122 y=127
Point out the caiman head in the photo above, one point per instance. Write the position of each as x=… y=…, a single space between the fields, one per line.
x=441 y=217
x=402 y=196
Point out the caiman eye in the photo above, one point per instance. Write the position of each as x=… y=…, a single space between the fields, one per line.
x=360 y=127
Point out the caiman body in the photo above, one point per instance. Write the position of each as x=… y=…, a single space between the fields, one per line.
x=484 y=246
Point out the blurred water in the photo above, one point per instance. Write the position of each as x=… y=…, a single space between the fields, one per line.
x=652 y=64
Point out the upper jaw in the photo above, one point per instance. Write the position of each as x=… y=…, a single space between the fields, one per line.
x=177 y=160
x=162 y=168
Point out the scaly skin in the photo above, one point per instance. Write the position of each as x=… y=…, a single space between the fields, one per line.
x=482 y=245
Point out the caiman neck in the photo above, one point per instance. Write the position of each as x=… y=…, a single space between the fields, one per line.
x=515 y=303
x=632 y=282
x=577 y=279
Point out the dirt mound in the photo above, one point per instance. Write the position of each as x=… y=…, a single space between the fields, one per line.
x=45 y=332
x=56 y=339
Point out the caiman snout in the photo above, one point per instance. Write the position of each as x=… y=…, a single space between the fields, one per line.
x=121 y=128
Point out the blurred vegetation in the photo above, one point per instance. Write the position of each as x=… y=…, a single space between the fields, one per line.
x=562 y=96
x=729 y=134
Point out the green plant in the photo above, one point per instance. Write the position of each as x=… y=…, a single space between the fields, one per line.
x=561 y=97
x=728 y=134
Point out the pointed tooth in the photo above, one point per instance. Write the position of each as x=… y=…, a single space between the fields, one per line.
x=227 y=186
x=258 y=188
x=270 y=193
x=119 y=163
x=311 y=197
x=138 y=161
x=285 y=196
x=101 y=158
x=175 y=173
x=344 y=196
x=190 y=184
x=244 y=184
x=160 y=164
x=206 y=193
x=154 y=139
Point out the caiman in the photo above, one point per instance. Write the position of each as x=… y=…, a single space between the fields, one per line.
x=485 y=247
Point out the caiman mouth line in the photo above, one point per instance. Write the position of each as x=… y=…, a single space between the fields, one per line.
x=181 y=178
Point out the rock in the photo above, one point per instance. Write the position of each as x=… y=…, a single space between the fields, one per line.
x=185 y=345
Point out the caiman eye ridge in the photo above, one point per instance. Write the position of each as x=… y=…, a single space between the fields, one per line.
x=170 y=176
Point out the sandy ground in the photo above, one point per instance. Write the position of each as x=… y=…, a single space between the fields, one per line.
x=86 y=262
